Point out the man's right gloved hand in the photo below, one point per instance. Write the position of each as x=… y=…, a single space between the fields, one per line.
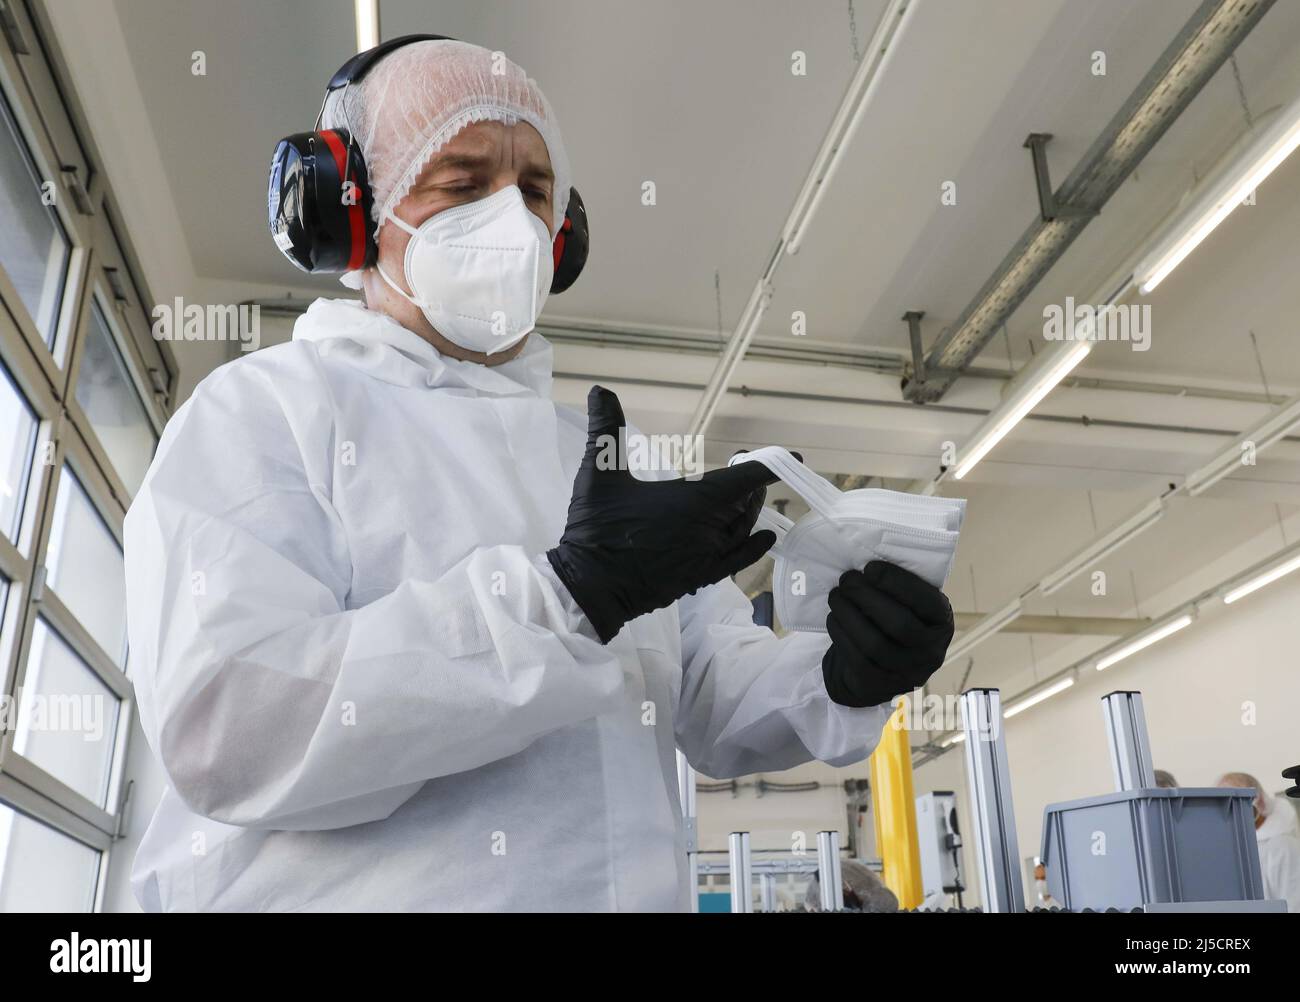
x=632 y=546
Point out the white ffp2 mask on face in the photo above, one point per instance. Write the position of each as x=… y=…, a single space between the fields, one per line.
x=480 y=272
x=844 y=531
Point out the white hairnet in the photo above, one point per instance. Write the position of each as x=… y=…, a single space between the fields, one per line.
x=415 y=100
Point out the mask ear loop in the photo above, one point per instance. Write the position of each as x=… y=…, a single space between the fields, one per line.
x=822 y=496
x=414 y=234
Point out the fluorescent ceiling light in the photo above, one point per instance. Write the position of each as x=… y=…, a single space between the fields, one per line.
x=1145 y=640
x=953 y=739
x=1038 y=697
x=367 y=24
x=1103 y=546
x=1278 y=570
x=1275 y=426
x=1020 y=401
x=846 y=121
x=1221 y=194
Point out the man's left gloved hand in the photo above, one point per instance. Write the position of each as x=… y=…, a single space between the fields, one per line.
x=889 y=633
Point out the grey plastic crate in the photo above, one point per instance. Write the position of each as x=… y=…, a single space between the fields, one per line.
x=1189 y=844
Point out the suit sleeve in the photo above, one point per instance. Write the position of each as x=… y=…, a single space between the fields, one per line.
x=753 y=702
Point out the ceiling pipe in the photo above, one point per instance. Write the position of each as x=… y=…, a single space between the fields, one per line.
x=367 y=18
x=827 y=354
x=847 y=118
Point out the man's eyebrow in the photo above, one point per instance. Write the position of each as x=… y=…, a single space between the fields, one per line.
x=473 y=162
x=465 y=161
x=539 y=172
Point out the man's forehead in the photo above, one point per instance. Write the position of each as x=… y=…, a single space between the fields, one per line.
x=480 y=145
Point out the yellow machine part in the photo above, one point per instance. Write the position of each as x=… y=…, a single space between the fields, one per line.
x=894 y=807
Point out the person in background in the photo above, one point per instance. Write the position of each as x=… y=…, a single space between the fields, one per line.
x=1165 y=780
x=1278 y=834
x=1043 y=897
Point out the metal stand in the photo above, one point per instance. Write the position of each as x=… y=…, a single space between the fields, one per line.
x=830 y=878
x=913 y=320
x=1129 y=743
x=767 y=892
x=742 y=889
x=686 y=791
x=990 y=786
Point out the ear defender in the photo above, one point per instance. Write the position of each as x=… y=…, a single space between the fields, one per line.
x=571 y=244
x=319 y=201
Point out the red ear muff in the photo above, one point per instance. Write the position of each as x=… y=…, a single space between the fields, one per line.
x=318 y=200
x=557 y=247
x=318 y=203
x=338 y=148
x=571 y=244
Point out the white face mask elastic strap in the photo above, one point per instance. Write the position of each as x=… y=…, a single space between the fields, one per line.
x=396 y=288
x=403 y=225
x=820 y=494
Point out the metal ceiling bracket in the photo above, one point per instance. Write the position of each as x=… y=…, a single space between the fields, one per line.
x=913 y=320
x=1048 y=207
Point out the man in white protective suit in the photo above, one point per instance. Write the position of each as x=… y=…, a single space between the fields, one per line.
x=401 y=640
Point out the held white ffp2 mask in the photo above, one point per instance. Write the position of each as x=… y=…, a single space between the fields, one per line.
x=480 y=272
x=844 y=531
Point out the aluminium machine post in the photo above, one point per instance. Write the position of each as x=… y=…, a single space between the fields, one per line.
x=1128 y=741
x=830 y=877
x=686 y=791
x=742 y=876
x=990 y=788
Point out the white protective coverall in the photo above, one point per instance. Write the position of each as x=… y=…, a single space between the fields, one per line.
x=1279 y=853
x=367 y=687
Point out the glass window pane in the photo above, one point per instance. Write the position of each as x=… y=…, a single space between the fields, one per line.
x=67 y=717
x=34 y=252
x=17 y=440
x=83 y=565
x=43 y=870
x=108 y=398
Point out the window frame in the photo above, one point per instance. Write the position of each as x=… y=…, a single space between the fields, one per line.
x=45 y=161
x=99 y=295
x=43 y=604
x=102 y=268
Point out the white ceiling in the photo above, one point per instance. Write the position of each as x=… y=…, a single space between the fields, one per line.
x=699 y=98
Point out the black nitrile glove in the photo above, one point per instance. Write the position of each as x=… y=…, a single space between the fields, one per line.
x=632 y=546
x=889 y=633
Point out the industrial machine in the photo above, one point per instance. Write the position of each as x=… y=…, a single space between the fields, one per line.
x=940 y=844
